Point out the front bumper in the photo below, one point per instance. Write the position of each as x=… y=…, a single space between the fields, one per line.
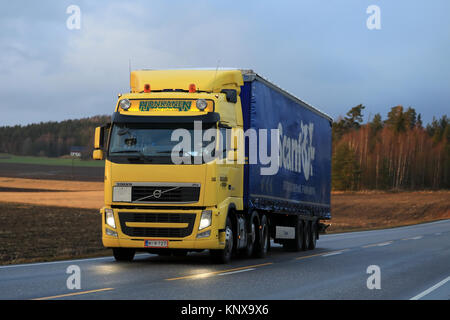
x=133 y=232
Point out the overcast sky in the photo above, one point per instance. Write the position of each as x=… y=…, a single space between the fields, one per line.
x=321 y=51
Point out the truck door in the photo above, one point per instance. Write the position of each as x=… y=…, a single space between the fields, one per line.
x=231 y=170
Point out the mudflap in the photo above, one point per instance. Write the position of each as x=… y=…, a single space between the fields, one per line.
x=322 y=227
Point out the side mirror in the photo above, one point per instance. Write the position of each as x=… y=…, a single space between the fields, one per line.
x=98 y=154
x=99 y=137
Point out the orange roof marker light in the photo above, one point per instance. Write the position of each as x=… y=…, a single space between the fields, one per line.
x=192 y=88
x=147 y=88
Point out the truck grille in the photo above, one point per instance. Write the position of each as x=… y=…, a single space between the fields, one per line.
x=146 y=194
x=188 y=218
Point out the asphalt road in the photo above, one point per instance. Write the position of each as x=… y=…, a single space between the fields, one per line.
x=413 y=262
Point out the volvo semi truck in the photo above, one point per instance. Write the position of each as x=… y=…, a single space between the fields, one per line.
x=220 y=160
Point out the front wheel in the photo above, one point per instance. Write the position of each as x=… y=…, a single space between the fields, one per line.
x=224 y=255
x=124 y=254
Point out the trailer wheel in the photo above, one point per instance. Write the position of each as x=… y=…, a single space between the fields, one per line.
x=123 y=254
x=313 y=236
x=297 y=244
x=306 y=235
x=262 y=240
x=224 y=255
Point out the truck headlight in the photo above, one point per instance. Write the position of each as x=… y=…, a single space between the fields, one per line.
x=205 y=220
x=109 y=218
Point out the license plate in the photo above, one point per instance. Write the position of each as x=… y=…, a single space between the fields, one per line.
x=156 y=243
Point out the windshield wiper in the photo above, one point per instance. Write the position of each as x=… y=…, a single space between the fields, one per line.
x=127 y=151
x=123 y=131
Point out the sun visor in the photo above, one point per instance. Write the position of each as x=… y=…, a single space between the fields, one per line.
x=204 y=80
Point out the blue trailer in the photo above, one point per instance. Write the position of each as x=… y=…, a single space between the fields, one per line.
x=297 y=197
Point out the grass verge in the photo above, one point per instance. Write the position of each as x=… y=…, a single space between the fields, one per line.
x=7 y=158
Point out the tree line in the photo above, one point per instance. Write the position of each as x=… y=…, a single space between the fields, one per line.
x=395 y=153
x=50 y=139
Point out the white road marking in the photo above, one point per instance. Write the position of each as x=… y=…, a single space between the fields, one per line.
x=362 y=234
x=384 y=244
x=50 y=262
x=413 y=238
x=60 y=261
x=233 y=272
x=437 y=285
x=333 y=253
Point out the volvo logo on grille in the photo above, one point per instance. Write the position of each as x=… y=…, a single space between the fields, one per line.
x=157 y=194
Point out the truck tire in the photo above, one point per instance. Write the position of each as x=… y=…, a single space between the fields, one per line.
x=262 y=239
x=248 y=251
x=296 y=244
x=124 y=254
x=223 y=256
x=306 y=235
x=313 y=236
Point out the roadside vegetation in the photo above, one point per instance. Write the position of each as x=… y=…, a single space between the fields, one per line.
x=398 y=153
x=46 y=161
x=51 y=139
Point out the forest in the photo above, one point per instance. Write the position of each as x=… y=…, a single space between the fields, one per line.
x=50 y=139
x=396 y=153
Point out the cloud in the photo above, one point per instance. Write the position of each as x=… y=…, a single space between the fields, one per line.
x=90 y=66
x=324 y=55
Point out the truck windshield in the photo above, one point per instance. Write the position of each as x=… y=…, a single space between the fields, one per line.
x=152 y=143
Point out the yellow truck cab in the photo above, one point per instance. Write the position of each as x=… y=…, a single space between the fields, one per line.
x=166 y=200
